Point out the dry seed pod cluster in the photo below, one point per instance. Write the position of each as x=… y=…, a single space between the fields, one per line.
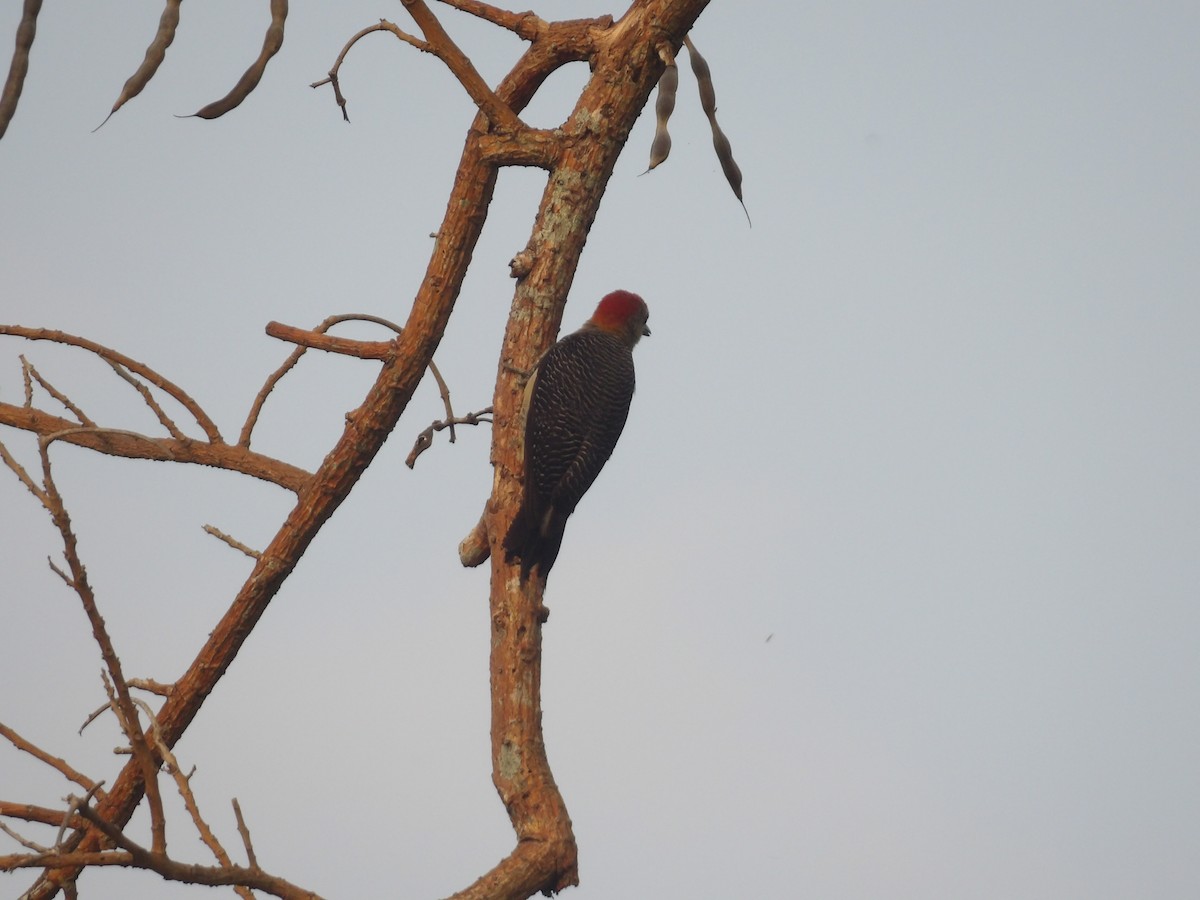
x=26 y=29
x=667 y=87
x=155 y=54
x=250 y=78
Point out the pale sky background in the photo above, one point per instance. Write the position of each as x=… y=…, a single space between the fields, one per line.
x=930 y=425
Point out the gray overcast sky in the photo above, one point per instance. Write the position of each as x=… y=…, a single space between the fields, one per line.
x=931 y=424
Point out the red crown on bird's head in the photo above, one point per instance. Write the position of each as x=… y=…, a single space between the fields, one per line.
x=616 y=308
x=622 y=312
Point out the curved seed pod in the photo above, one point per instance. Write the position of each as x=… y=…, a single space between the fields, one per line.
x=251 y=77
x=26 y=29
x=155 y=54
x=708 y=102
x=668 y=85
x=733 y=174
x=708 y=94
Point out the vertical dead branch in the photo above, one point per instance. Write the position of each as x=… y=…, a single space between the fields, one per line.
x=626 y=68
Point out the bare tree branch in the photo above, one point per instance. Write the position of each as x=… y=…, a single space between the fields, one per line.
x=112 y=356
x=330 y=343
x=295 y=335
x=122 y=701
x=49 y=759
x=526 y=25
x=626 y=62
x=440 y=44
x=184 y=786
x=22 y=840
x=332 y=78
x=28 y=812
x=31 y=373
x=232 y=542
x=162 y=417
x=116 y=442
x=425 y=438
x=245 y=833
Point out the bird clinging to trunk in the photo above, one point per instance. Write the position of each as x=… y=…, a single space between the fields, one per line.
x=577 y=403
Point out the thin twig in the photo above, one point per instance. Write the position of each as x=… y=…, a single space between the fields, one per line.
x=184 y=786
x=274 y=378
x=425 y=438
x=23 y=841
x=245 y=833
x=53 y=762
x=62 y=398
x=332 y=77
x=232 y=542
x=60 y=337
x=23 y=476
x=151 y=686
x=444 y=390
x=123 y=702
x=73 y=805
x=122 y=705
x=100 y=710
x=25 y=377
x=163 y=418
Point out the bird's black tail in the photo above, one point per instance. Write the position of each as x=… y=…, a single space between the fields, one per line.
x=534 y=543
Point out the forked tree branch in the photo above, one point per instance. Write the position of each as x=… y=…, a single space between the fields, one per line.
x=498 y=112
x=132 y=365
x=525 y=25
x=626 y=65
x=116 y=442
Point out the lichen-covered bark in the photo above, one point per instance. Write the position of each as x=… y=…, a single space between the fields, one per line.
x=626 y=66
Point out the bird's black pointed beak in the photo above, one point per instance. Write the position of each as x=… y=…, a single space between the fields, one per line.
x=645 y=331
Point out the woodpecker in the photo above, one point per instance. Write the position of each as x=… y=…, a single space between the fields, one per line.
x=577 y=402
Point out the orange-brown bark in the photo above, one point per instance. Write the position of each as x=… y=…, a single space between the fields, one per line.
x=626 y=64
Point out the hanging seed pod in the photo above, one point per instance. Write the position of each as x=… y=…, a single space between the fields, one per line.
x=708 y=102
x=26 y=29
x=668 y=86
x=155 y=54
x=251 y=77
